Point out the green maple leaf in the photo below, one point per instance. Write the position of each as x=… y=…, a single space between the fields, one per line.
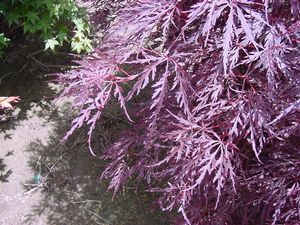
x=51 y=43
x=62 y=36
x=79 y=24
x=13 y=17
x=49 y=4
x=13 y=2
x=32 y=16
x=2 y=7
x=77 y=46
x=40 y=3
x=87 y=43
x=3 y=40
x=28 y=27
x=44 y=24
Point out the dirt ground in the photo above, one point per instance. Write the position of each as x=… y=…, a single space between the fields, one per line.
x=16 y=198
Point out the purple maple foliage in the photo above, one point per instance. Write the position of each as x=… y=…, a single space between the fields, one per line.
x=216 y=130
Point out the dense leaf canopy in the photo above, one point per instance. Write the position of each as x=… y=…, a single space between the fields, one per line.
x=56 y=21
x=218 y=134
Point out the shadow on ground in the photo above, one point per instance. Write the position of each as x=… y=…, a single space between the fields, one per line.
x=25 y=71
x=4 y=173
x=71 y=190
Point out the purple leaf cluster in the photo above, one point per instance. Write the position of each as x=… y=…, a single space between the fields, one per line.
x=216 y=129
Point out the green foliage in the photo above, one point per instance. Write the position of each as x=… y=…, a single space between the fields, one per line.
x=3 y=43
x=56 y=21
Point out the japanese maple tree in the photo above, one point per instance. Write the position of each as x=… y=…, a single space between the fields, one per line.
x=216 y=130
